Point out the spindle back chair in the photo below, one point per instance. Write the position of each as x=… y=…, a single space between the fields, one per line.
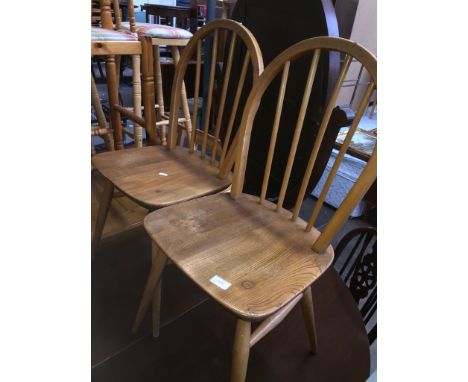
x=159 y=176
x=242 y=49
x=252 y=256
x=280 y=65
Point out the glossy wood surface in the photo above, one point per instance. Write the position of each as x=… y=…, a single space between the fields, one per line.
x=139 y=173
x=264 y=255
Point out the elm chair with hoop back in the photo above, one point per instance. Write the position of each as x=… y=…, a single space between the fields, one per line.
x=159 y=176
x=252 y=256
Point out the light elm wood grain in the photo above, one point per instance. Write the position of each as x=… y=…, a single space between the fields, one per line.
x=137 y=173
x=264 y=255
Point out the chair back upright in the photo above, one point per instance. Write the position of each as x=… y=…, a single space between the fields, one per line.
x=276 y=74
x=185 y=17
x=107 y=12
x=242 y=49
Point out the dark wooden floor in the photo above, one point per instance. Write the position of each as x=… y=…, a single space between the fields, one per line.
x=196 y=334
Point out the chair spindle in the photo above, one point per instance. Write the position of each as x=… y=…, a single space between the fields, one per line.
x=214 y=54
x=274 y=133
x=299 y=124
x=235 y=105
x=222 y=101
x=320 y=134
x=195 y=99
x=361 y=110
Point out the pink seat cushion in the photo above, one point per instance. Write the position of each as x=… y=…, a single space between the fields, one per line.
x=101 y=34
x=158 y=31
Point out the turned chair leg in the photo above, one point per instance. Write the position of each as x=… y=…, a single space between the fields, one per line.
x=307 y=306
x=159 y=91
x=136 y=81
x=113 y=94
x=183 y=95
x=152 y=293
x=103 y=210
x=241 y=350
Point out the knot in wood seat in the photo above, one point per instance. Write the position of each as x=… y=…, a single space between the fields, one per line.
x=267 y=259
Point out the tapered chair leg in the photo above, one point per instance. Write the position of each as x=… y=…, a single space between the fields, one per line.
x=152 y=289
x=309 y=318
x=103 y=210
x=241 y=350
x=156 y=316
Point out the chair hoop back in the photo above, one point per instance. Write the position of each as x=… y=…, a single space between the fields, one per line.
x=237 y=39
x=313 y=48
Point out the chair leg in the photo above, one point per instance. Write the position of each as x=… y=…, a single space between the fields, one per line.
x=156 y=317
x=241 y=350
x=113 y=91
x=147 y=84
x=159 y=90
x=136 y=82
x=104 y=205
x=307 y=306
x=152 y=289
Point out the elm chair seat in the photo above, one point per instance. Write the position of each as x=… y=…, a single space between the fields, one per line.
x=267 y=260
x=158 y=31
x=101 y=34
x=155 y=177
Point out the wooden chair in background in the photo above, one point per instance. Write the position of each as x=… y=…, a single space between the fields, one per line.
x=356 y=262
x=185 y=17
x=158 y=176
x=112 y=44
x=173 y=38
x=101 y=129
x=255 y=258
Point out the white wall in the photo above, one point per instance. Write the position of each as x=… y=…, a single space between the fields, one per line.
x=365 y=25
x=364 y=32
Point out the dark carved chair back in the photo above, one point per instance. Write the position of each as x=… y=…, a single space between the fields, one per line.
x=356 y=262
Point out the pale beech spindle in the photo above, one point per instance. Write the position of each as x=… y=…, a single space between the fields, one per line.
x=299 y=124
x=274 y=133
x=235 y=106
x=210 y=93
x=361 y=110
x=320 y=134
x=195 y=98
x=222 y=101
